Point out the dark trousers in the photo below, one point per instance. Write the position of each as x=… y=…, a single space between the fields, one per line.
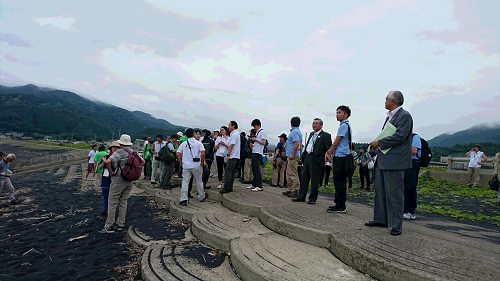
x=364 y=173
x=148 y=169
x=311 y=171
x=167 y=174
x=325 y=174
x=340 y=180
x=232 y=165
x=221 y=166
x=257 y=173
x=411 y=181
x=388 y=197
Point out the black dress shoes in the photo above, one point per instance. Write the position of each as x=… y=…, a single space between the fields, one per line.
x=298 y=200
x=183 y=203
x=311 y=202
x=395 y=232
x=373 y=223
x=225 y=191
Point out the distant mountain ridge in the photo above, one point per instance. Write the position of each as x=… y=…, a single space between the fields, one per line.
x=32 y=109
x=482 y=133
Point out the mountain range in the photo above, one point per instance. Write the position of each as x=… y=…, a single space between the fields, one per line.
x=482 y=133
x=34 y=110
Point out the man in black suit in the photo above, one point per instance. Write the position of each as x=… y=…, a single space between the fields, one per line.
x=317 y=144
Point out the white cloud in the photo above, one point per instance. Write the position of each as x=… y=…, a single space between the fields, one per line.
x=62 y=23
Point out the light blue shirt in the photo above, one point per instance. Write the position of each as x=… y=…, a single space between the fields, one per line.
x=416 y=142
x=295 y=135
x=343 y=148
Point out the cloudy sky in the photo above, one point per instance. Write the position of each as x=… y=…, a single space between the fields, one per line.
x=204 y=63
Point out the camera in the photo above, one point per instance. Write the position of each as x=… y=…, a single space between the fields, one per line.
x=196 y=159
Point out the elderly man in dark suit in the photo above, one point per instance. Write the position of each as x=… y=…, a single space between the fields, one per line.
x=390 y=167
x=317 y=145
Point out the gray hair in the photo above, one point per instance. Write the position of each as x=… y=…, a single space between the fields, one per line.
x=397 y=97
x=11 y=156
x=320 y=121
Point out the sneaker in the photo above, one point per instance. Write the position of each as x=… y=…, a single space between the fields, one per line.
x=14 y=202
x=176 y=176
x=93 y=179
x=183 y=203
x=407 y=216
x=412 y=216
x=286 y=192
x=118 y=228
x=250 y=187
x=337 y=209
x=293 y=194
x=219 y=186
x=107 y=230
x=257 y=189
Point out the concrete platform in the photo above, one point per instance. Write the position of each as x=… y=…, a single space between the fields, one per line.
x=168 y=262
x=427 y=249
x=274 y=257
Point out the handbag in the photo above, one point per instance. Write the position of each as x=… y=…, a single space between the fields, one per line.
x=371 y=165
x=349 y=160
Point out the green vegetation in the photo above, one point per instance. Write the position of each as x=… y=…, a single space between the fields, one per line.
x=433 y=169
x=268 y=170
x=489 y=148
x=70 y=145
x=445 y=189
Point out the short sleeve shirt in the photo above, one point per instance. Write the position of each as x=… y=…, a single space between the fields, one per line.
x=97 y=159
x=257 y=147
x=416 y=142
x=295 y=135
x=343 y=148
x=475 y=158
x=188 y=154
x=222 y=150
x=92 y=154
x=4 y=166
x=235 y=140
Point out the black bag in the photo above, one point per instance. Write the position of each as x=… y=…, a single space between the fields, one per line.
x=166 y=155
x=494 y=184
x=426 y=154
x=349 y=166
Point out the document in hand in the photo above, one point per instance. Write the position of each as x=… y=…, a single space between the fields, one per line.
x=388 y=131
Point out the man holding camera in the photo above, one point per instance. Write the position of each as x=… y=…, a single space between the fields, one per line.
x=477 y=159
x=191 y=156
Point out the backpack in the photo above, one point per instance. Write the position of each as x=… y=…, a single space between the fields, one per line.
x=166 y=155
x=133 y=167
x=243 y=142
x=494 y=184
x=426 y=154
x=282 y=152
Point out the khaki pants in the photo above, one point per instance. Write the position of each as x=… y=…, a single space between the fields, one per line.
x=98 y=179
x=8 y=186
x=473 y=176
x=279 y=172
x=119 y=192
x=292 y=174
x=157 y=164
x=248 y=175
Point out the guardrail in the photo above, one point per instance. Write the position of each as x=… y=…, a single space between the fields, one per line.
x=462 y=163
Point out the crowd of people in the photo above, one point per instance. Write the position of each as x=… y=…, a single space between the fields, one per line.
x=302 y=165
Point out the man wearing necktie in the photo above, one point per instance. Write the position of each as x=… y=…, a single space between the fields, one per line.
x=390 y=167
x=314 y=158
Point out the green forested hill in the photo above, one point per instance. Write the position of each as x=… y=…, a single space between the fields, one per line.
x=31 y=109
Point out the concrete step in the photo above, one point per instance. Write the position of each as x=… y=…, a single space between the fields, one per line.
x=194 y=207
x=218 y=229
x=183 y=262
x=274 y=257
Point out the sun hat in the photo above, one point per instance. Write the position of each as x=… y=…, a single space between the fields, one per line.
x=180 y=134
x=114 y=143
x=125 y=140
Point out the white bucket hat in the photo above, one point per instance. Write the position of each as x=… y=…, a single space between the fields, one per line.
x=125 y=140
x=180 y=134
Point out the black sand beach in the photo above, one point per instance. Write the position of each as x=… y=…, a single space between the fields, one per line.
x=53 y=233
